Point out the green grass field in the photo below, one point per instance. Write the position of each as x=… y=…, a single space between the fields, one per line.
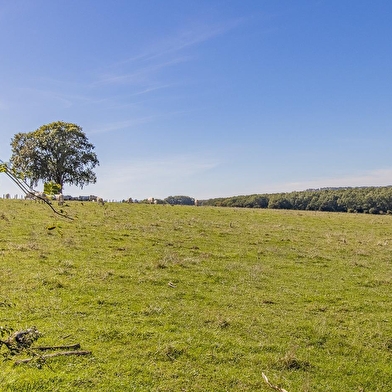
x=197 y=299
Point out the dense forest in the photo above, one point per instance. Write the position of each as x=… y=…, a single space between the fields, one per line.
x=373 y=200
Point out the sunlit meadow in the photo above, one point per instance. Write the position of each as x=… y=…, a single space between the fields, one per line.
x=197 y=298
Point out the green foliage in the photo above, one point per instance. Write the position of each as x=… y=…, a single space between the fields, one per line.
x=51 y=188
x=58 y=152
x=375 y=200
x=199 y=299
x=180 y=200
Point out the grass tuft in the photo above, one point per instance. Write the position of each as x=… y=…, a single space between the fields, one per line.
x=290 y=361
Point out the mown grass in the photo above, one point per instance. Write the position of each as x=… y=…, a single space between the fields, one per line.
x=198 y=299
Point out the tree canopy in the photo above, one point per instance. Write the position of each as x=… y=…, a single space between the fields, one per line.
x=58 y=152
x=180 y=200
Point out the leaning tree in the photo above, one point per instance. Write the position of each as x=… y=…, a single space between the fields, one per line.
x=58 y=152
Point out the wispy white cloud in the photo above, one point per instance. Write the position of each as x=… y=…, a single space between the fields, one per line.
x=140 y=75
x=65 y=99
x=183 y=39
x=151 y=89
x=79 y=96
x=120 y=125
x=164 y=53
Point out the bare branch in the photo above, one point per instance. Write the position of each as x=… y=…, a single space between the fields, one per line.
x=271 y=385
x=44 y=357
x=29 y=191
x=69 y=347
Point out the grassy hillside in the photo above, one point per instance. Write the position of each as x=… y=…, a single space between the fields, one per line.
x=198 y=299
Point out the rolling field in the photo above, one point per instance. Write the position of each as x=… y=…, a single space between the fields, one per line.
x=197 y=299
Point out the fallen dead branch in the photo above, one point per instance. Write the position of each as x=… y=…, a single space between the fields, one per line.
x=47 y=356
x=69 y=347
x=272 y=385
x=21 y=342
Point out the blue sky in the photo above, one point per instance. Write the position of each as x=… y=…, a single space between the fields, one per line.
x=205 y=98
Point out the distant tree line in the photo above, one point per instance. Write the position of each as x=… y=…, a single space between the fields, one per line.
x=373 y=200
